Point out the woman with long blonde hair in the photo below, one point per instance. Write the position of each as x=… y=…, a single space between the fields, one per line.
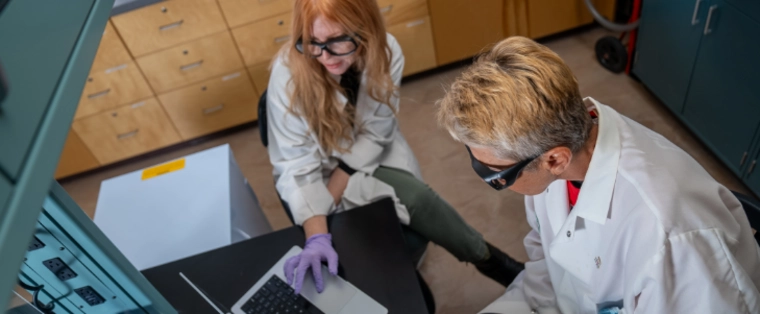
x=335 y=143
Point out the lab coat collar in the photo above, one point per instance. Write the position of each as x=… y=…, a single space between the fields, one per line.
x=596 y=194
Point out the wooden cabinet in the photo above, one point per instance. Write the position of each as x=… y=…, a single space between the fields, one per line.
x=461 y=29
x=168 y=23
x=515 y=18
x=399 y=11
x=111 y=52
x=212 y=105
x=75 y=158
x=191 y=62
x=416 y=40
x=126 y=131
x=260 y=75
x=546 y=17
x=260 y=41
x=239 y=12
x=107 y=89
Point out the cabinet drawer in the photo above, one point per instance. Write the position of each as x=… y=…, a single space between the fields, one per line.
x=168 y=23
x=111 y=51
x=107 y=89
x=396 y=11
x=239 y=12
x=260 y=75
x=192 y=62
x=33 y=57
x=126 y=131
x=260 y=41
x=416 y=40
x=75 y=158
x=212 y=105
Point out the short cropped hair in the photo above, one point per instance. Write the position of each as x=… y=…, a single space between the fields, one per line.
x=519 y=99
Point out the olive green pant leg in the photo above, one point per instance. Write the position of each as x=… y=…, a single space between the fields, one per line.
x=433 y=217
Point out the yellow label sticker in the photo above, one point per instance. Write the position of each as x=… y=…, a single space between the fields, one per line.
x=162 y=169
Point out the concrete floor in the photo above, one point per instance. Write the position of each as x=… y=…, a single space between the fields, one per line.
x=500 y=216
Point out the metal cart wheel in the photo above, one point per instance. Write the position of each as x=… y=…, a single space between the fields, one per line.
x=611 y=54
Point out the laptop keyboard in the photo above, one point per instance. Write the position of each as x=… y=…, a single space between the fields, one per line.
x=276 y=297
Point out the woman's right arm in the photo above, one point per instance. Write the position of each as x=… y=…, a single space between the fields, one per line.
x=295 y=156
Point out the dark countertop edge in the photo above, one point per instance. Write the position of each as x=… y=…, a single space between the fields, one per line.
x=132 y=5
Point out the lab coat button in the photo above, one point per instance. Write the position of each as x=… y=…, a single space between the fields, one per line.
x=568 y=233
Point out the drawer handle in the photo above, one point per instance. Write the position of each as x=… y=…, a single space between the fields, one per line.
x=415 y=23
x=281 y=39
x=191 y=65
x=752 y=166
x=99 y=94
x=386 y=9
x=709 y=30
x=127 y=135
x=171 y=25
x=694 y=19
x=208 y=111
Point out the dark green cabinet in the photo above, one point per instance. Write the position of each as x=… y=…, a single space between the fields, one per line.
x=706 y=72
x=669 y=38
x=34 y=71
x=723 y=103
x=5 y=190
x=750 y=7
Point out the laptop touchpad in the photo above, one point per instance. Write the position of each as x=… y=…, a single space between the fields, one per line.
x=336 y=295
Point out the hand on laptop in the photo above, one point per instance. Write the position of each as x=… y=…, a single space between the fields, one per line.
x=318 y=248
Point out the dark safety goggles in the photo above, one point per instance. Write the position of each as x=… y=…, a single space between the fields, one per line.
x=339 y=46
x=498 y=180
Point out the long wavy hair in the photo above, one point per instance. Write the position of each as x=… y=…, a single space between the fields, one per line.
x=314 y=90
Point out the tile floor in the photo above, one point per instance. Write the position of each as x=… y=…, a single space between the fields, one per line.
x=457 y=287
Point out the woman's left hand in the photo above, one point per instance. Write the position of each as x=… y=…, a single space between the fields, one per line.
x=337 y=184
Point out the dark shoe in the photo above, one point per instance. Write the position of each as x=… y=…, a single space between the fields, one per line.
x=499 y=267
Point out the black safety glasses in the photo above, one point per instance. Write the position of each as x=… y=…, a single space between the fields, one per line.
x=498 y=180
x=339 y=46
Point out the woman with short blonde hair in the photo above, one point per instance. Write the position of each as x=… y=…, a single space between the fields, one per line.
x=335 y=143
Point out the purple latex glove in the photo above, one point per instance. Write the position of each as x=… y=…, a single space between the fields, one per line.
x=318 y=248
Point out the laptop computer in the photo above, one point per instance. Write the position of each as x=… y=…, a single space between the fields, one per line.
x=271 y=294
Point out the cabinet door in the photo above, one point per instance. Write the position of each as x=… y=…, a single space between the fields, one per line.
x=5 y=191
x=33 y=57
x=462 y=29
x=416 y=41
x=546 y=17
x=667 y=47
x=723 y=104
x=75 y=158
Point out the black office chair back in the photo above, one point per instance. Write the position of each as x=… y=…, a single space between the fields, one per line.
x=263 y=118
x=752 y=209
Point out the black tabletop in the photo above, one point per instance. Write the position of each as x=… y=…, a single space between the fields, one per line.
x=371 y=254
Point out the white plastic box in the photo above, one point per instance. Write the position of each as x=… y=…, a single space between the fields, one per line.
x=180 y=208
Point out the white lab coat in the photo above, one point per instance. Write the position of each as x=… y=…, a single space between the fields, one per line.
x=651 y=232
x=302 y=168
